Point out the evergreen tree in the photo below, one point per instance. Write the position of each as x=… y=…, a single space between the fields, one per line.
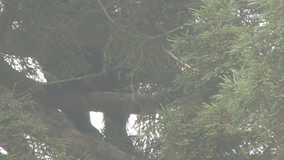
x=205 y=78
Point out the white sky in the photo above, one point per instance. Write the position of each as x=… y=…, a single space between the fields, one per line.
x=97 y=121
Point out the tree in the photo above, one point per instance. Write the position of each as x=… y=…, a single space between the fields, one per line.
x=57 y=37
x=232 y=107
x=204 y=76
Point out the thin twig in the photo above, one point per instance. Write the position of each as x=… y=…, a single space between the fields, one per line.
x=106 y=12
x=76 y=79
x=175 y=58
x=170 y=31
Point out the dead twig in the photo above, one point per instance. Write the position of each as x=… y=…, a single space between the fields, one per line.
x=106 y=12
x=163 y=34
x=175 y=58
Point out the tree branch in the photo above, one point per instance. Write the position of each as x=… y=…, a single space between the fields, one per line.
x=62 y=128
x=147 y=37
x=106 y=12
x=78 y=141
x=111 y=102
x=92 y=76
x=175 y=58
x=165 y=33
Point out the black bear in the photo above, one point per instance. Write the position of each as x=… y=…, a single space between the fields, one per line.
x=115 y=124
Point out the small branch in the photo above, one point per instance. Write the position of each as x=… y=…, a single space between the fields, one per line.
x=106 y=12
x=76 y=79
x=62 y=81
x=168 y=32
x=174 y=57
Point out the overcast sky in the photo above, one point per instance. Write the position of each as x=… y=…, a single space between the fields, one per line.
x=97 y=121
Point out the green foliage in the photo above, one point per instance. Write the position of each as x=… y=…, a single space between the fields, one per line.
x=23 y=136
x=227 y=105
x=233 y=101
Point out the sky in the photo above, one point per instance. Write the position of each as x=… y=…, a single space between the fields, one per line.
x=97 y=121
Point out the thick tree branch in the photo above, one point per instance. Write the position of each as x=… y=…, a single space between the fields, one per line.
x=111 y=102
x=77 y=141
x=62 y=128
